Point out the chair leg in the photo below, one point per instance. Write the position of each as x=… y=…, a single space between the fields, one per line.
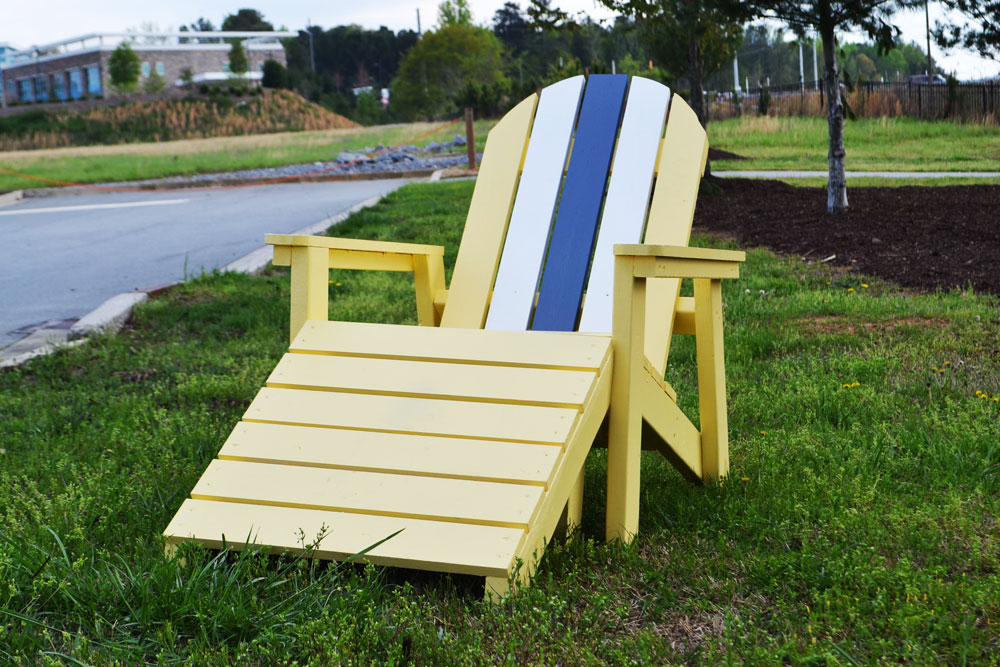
x=711 y=379
x=625 y=413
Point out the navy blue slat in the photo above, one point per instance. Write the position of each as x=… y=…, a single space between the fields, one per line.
x=580 y=206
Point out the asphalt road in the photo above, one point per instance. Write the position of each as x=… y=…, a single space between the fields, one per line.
x=61 y=257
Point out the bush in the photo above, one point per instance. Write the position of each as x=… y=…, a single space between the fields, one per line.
x=275 y=74
x=154 y=83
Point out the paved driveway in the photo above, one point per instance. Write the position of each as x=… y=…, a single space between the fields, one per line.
x=60 y=257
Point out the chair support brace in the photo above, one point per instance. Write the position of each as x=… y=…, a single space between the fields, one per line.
x=312 y=257
x=633 y=266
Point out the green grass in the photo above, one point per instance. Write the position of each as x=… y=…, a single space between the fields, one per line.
x=867 y=182
x=883 y=144
x=113 y=164
x=859 y=525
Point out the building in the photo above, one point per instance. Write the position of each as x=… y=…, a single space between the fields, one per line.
x=76 y=68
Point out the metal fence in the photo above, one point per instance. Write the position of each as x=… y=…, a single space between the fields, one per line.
x=868 y=99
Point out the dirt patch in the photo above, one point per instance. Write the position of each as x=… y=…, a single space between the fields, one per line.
x=919 y=237
x=716 y=154
x=833 y=325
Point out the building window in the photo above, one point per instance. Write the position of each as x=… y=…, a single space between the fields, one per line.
x=160 y=69
x=42 y=88
x=76 y=84
x=59 y=86
x=93 y=81
x=25 y=93
x=145 y=69
x=225 y=67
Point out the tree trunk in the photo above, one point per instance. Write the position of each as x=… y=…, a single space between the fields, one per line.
x=836 y=188
x=695 y=76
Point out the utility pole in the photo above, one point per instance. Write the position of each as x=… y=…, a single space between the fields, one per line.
x=802 y=75
x=927 y=19
x=736 y=75
x=419 y=32
x=815 y=65
x=312 y=53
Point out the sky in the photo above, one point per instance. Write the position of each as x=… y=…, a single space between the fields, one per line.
x=27 y=23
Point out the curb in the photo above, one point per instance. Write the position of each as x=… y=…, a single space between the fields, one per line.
x=11 y=197
x=112 y=315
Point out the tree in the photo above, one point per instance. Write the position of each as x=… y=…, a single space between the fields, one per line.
x=826 y=17
x=980 y=32
x=238 y=58
x=275 y=75
x=154 y=83
x=246 y=20
x=440 y=67
x=123 y=67
x=454 y=12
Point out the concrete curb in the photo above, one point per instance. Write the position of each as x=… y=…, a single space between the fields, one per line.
x=112 y=315
x=11 y=197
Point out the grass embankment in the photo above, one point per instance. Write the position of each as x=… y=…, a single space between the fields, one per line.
x=859 y=524
x=882 y=144
x=218 y=115
x=103 y=164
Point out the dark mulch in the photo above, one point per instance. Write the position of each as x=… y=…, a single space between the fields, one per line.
x=716 y=154
x=919 y=237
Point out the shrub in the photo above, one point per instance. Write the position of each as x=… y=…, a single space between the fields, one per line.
x=275 y=74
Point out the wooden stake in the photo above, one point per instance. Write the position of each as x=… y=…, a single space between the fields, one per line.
x=470 y=138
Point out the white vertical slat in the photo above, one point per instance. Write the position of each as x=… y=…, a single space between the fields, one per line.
x=628 y=194
x=534 y=207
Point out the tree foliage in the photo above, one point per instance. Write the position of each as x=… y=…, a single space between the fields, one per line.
x=440 y=69
x=238 y=63
x=274 y=75
x=454 y=12
x=123 y=68
x=979 y=32
x=246 y=20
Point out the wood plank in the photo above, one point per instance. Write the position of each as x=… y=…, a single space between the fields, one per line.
x=393 y=414
x=711 y=379
x=534 y=349
x=391 y=452
x=427 y=545
x=680 y=441
x=486 y=223
x=357 y=245
x=531 y=218
x=629 y=190
x=439 y=499
x=424 y=379
x=580 y=205
x=681 y=164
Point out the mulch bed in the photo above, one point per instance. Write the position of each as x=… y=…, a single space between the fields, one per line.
x=918 y=237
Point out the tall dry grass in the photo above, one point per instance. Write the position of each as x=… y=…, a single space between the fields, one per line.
x=169 y=120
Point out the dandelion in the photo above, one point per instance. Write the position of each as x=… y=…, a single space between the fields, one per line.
x=947 y=363
x=850 y=289
x=744 y=479
x=763 y=432
x=940 y=370
x=865 y=285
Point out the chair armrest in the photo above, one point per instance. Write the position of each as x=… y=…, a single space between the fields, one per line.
x=354 y=253
x=663 y=261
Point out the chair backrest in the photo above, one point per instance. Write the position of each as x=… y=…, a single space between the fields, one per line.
x=565 y=176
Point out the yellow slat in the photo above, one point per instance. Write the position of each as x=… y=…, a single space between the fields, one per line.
x=425 y=545
x=489 y=213
x=456 y=500
x=681 y=164
x=391 y=452
x=680 y=437
x=539 y=349
x=489 y=421
x=362 y=245
x=501 y=384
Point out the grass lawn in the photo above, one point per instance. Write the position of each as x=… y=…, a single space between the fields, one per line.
x=879 y=144
x=103 y=164
x=859 y=524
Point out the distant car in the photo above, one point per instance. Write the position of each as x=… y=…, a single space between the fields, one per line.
x=934 y=80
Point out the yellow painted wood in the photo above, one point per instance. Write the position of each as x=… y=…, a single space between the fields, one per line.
x=428 y=280
x=679 y=170
x=658 y=267
x=363 y=245
x=538 y=349
x=372 y=261
x=489 y=213
x=411 y=496
x=425 y=379
x=309 y=287
x=711 y=379
x=663 y=384
x=684 y=316
x=567 y=479
x=681 y=442
x=625 y=414
x=679 y=252
x=394 y=414
x=373 y=451
x=427 y=545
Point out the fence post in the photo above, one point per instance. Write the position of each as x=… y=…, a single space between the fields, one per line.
x=470 y=138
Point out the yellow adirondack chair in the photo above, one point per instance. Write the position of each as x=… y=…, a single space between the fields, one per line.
x=465 y=438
